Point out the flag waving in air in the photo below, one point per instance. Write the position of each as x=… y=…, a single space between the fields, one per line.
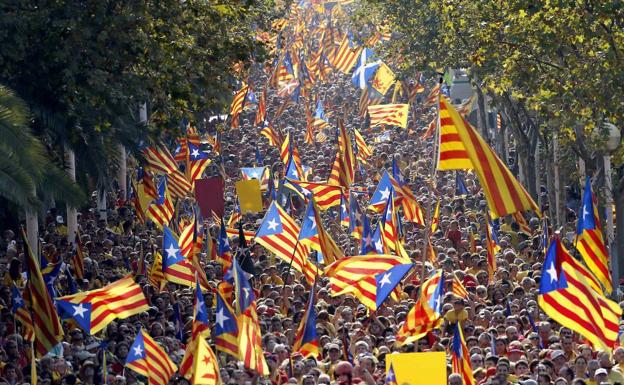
x=390 y=114
x=176 y=268
x=306 y=341
x=461 y=147
x=148 y=359
x=567 y=296
x=94 y=310
x=590 y=242
x=460 y=356
x=314 y=235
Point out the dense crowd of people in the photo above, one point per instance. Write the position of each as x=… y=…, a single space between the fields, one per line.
x=510 y=340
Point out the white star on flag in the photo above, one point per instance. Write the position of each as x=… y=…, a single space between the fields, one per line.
x=385 y=193
x=385 y=279
x=195 y=153
x=80 y=310
x=171 y=251
x=273 y=224
x=138 y=351
x=221 y=318
x=552 y=272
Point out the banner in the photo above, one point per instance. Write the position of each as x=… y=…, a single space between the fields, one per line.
x=249 y=196
x=418 y=368
x=209 y=196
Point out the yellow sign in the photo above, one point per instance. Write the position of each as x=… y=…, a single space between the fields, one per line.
x=418 y=368
x=249 y=195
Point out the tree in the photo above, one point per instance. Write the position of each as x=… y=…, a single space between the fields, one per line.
x=28 y=177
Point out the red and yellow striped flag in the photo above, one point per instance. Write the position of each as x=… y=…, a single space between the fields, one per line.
x=237 y=105
x=160 y=160
x=345 y=57
x=77 y=260
x=149 y=359
x=363 y=151
x=261 y=112
x=343 y=170
x=97 y=308
x=156 y=276
x=460 y=357
x=325 y=195
x=392 y=114
x=273 y=136
x=47 y=327
x=504 y=194
x=590 y=242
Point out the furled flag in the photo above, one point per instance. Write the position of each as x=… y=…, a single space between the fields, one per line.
x=384 y=79
x=363 y=151
x=176 y=267
x=426 y=314
x=178 y=323
x=460 y=186
x=47 y=327
x=567 y=296
x=461 y=147
x=367 y=246
x=261 y=112
x=186 y=236
x=313 y=234
x=357 y=275
x=156 y=276
x=93 y=310
x=306 y=341
x=21 y=314
x=378 y=243
x=492 y=248
x=161 y=209
x=237 y=105
x=435 y=220
x=148 y=358
x=198 y=161
x=278 y=233
x=343 y=169
x=224 y=251
x=159 y=160
x=77 y=260
x=460 y=356
x=390 y=114
x=226 y=326
x=273 y=136
x=365 y=70
x=390 y=228
x=355 y=217
x=589 y=239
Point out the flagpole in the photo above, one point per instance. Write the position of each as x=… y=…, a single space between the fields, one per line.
x=431 y=187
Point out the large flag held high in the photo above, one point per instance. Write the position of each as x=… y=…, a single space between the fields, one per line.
x=148 y=359
x=566 y=295
x=590 y=242
x=461 y=147
x=47 y=327
x=93 y=310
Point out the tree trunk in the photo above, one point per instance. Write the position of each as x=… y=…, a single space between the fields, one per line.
x=481 y=112
x=122 y=173
x=101 y=203
x=32 y=231
x=72 y=214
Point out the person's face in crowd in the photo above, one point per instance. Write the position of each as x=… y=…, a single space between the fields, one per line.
x=476 y=361
x=455 y=381
x=334 y=354
x=308 y=380
x=282 y=353
x=521 y=368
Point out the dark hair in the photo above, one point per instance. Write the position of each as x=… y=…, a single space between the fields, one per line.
x=14 y=269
